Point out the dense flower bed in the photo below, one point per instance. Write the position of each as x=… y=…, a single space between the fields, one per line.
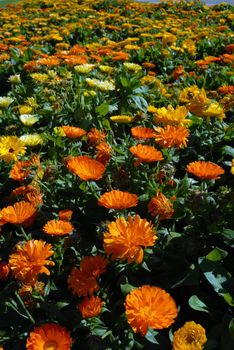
x=117 y=168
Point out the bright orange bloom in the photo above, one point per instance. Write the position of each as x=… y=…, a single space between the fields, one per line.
x=86 y=167
x=73 y=60
x=120 y=56
x=83 y=281
x=172 y=136
x=160 y=206
x=65 y=214
x=116 y=199
x=90 y=307
x=125 y=239
x=148 y=65
x=96 y=136
x=49 y=336
x=58 y=227
x=29 y=194
x=19 y=213
x=226 y=89
x=150 y=306
x=139 y=132
x=73 y=132
x=4 y=270
x=205 y=170
x=103 y=153
x=22 y=169
x=30 y=260
x=192 y=336
x=145 y=154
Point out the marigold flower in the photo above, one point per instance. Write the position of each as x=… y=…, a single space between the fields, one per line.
x=96 y=136
x=192 y=336
x=73 y=132
x=49 y=336
x=150 y=306
x=125 y=239
x=20 y=170
x=65 y=214
x=10 y=148
x=140 y=132
x=117 y=199
x=58 y=227
x=30 y=194
x=4 y=270
x=205 y=170
x=172 y=136
x=86 y=167
x=91 y=307
x=145 y=154
x=19 y=213
x=30 y=260
x=103 y=153
x=172 y=116
x=160 y=206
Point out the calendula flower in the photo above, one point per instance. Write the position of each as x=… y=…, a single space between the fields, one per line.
x=4 y=270
x=84 y=68
x=226 y=89
x=125 y=119
x=73 y=132
x=5 y=102
x=14 y=79
x=189 y=93
x=103 y=85
x=192 y=336
x=49 y=336
x=232 y=167
x=150 y=306
x=32 y=140
x=20 y=170
x=106 y=69
x=40 y=77
x=132 y=67
x=83 y=281
x=86 y=167
x=30 y=260
x=189 y=46
x=19 y=213
x=205 y=170
x=96 y=136
x=28 y=119
x=11 y=147
x=90 y=307
x=160 y=206
x=145 y=154
x=58 y=227
x=29 y=194
x=116 y=199
x=125 y=239
x=140 y=132
x=103 y=154
x=65 y=214
x=172 y=136
x=25 y=109
x=172 y=116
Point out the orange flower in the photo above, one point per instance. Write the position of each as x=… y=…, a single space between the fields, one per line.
x=4 y=270
x=160 y=206
x=49 y=336
x=205 y=170
x=58 y=227
x=172 y=136
x=125 y=239
x=226 y=89
x=90 y=307
x=83 y=281
x=192 y=336
x=150 y=306
x=73 y=132
x=73 y=60
x=65 y=214
x=22 y=169
x=145 y=154
x=148 y=65
x=96 y=136
x=140 y=132
x=116 y=199
x=19 y=213
x=120 y=56
x=86 y=168
x=30 y=194
x=103 y=153
x=30 y=260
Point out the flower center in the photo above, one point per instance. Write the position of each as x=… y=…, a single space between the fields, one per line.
x=50 y=345
x=11 y=150
x=190 y=338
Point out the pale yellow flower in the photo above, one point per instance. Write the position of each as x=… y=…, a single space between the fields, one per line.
x=28 y=119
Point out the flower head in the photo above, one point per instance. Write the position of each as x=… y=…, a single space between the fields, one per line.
x=205 y=170
x=19 y=213
x=96 y=136
x=103 y=153
x=139 y=132
x=28 y=119
x=65 y=214
x=86 y=168
x=5 y=102
x=73 y=132
x=30 y=260
x=125 y=239
x=90 y=307
x=58 y=227
x=145 y=154
x=192 y=336
x=49 y=336
x=150 y=306
x=10 y=148
x=32 y=140
x=172 y=116
x=125 y=119
x=117 y=199
x=172 y=136
x=160 y=206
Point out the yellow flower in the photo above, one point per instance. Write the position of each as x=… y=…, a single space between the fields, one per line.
x=122 y=119
x=25 y=109
x=132 y=66
x=58 y=130
x=40 y=77
x=188 y=94
x=31 y=139
x=84 y=68
x=28 y=119
x=10 y=148
x=168 y=38
x=232 y=167
x=192 y=336
x=5 y=102
x=151 y=109
x=188 y=45
x=171 y=116
x=106 y=69
x=14 y=79
x=103 y=85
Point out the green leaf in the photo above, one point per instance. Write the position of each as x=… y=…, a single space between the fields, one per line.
x=216 y=254
x=139 y=102
x=150 y=336
x=231 y=328
x=126 y=288
x=196 y=304
x=228 y=150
